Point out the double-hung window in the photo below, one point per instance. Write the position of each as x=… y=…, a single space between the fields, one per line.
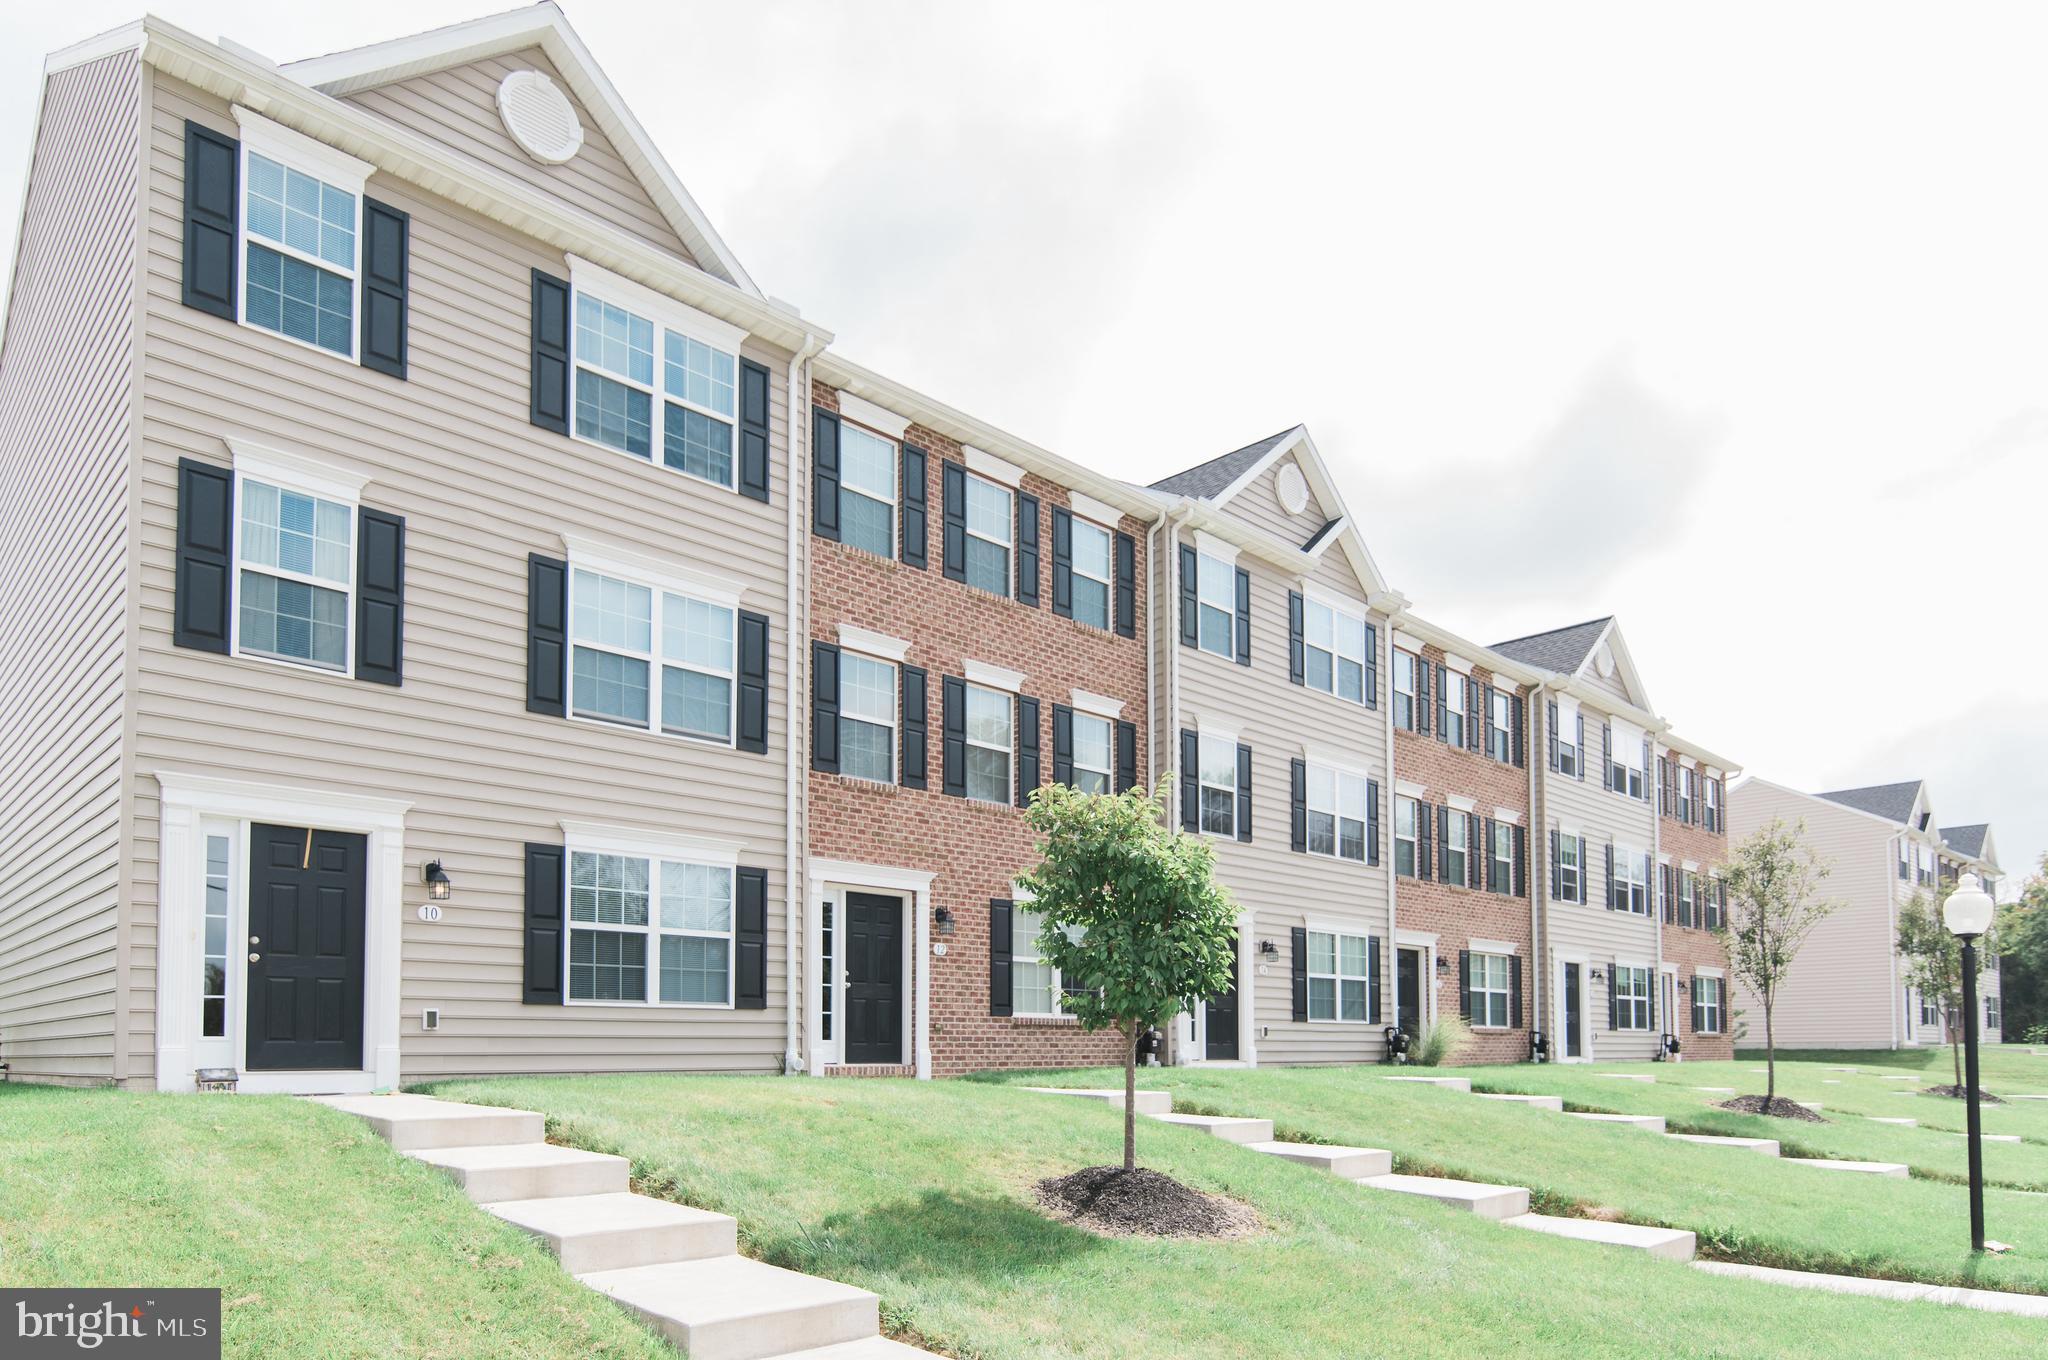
x=867 y=490
x=1404 y=689
x=652 y=373
x=1686 y=794
x=867 y=718
x=1631 y=997
x=1708 y=1000
x=1405 y=836
x=1216 y=588
x=1336 y=813
x=1335 y=650
x=991 y=520
x=991 y=739
x=1094 y=752
x=1631 y=885
x=1625 y=773
x=1570 y=880
x=1713 y=805
x=1500 y=729
x=1488 y=995
x=1218 y=784
x=649 y=930
x=1992 y=1018
x=1092 y=572
x=302 y=207
x=646 y=655
x=1452 y=707
x=1500 y=860
x=1567 y=743
x=1930 y=1010
x=296 y=563
x=1457 y=846
x=1034 y=983
x=1686 y=900
x=1338 y=977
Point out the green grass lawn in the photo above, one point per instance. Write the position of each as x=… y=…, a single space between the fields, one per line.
x=323 y=1242
x=922 y=1193
x=1743 y=1206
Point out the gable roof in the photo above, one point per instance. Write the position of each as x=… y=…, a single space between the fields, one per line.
x=1893 y=802
x=1208 y=481
x=1966 y=840
x=544 y=26
x=1562 y=650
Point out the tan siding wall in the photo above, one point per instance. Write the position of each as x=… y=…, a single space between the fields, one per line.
x=66 y=420
x=459 y=107
x=1608 y=684
x=1259 y=505
x=453 y=451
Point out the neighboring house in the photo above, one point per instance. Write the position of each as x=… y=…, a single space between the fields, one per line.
x=1620 y=978
x=1884 y=847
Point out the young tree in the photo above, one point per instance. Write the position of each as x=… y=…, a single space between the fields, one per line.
x=1774 y=883
x=1934 y=963
x=2023 y=955
x=1133 y=918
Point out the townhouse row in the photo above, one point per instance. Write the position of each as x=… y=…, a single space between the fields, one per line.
x=455 y=622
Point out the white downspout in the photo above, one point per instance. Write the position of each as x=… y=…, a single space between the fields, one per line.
x=1669 y=1023
x=1168 y=730
x=1537 y=834
x=796 y=803
x=1388 y=799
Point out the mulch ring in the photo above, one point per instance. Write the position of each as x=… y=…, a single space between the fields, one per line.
x=1958 y=1092
x=1780 y=1108
x=1117 y=1203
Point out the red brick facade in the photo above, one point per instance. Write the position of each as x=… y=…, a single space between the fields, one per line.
x=1690 y=946
x=975 y=850
x=1454 y=913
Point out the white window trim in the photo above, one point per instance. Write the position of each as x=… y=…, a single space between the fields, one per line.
x=330 y=481
x=1336 y=814
x=1009 y=751
x=1506 y=947
x=1008 y=543
x=988 y=466
x=881 y=421
x=1494 y=858
x=993 y=677
x=1413 y=842
x=306 y=476
x=618 y=567
x=1460 y=803
x=656 y=850
x=1414 y=660
x=1101 y=705
x=611 y=560
x=1228 y=607
x=1454 y=662
x=1350 y=611
x=1505 y=992
x=895 y=720
x=1410 y=790
x=659 y=308
x=1338 y=978
x=1647 y=998
x=1108 y=579
x=1508 y=815
x=1102 y=513
x=1463 y=848
x=1108 y=770
x=878 y=645
x=274 y=141
x=1018 y=951
x=1202 y=737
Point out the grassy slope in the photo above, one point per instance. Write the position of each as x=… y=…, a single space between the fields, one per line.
x=1742 y=1205
x=920 y=1191
x=323 y=1241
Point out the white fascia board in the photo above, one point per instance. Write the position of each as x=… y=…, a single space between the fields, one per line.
x=861 y=411
x=872 y=644
x=587 y=276
x=1101 y=705
x=126 y=38
x=994 y=677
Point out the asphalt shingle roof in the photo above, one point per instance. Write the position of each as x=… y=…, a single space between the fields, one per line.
x=1893 y=802
x=1563 y=650
x=1966 y=840
x=1205 y=481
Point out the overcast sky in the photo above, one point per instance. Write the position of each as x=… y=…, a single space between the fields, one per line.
x=1732 y=322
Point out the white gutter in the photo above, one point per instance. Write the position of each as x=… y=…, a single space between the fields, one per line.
x=796 y=803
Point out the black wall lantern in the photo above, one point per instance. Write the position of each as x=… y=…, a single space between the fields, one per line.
x=436 y=879
x=942 y=917
x=1268 y=950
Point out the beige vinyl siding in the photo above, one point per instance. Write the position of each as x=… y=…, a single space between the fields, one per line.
x=459 y=107
x=1591 y=932
x=480 y=487
x=66 y=388
x=1842 y=990
x=1259 y=506
x=1284 y=889
x=1609 y=684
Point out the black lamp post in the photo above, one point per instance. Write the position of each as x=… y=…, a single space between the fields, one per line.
x=1967 y=914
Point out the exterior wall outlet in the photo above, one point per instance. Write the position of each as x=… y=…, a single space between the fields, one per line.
x=430 y=1018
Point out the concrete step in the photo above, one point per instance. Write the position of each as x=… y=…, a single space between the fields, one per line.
x=731 y=1308
x=1652 y=1122
x=413 y=1123
x=1349 y=1162
x=1898 y=1076
x=2027 y=1097
x=1448 y=1083
x=528 y=1171
x=1148 y=1102
x=1813 y=1105
x=1487 y=1201
x=1902 y=1123
x=1229 y=1128
x=1986 y=1300
x=617 y=1231
x=1767 y=1146
x=1898 y=1169
x=1552 y=1103
x=873 y=1348
x=1988 y=1137
x=1716 y=1090
x=1663 y=1244
x=1625 y=1076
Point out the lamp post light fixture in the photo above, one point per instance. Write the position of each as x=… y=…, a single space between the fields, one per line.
x=1967 y=914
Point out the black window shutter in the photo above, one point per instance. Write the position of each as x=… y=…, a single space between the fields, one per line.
x=1000 y=948
x=544 y=925
x=380 y=596
x=1027 y=550
x=1516 y=714
x=1299 y=940
x=1126 y=586
x=1550 y=730
x=1465 y=983
x=547 y=634
x=1421 y=705
x=1654 y=989
x=1485 y=723
x=1063 y=562
x=1062 y=744
x=1297 y=654
x=1484 y=878
x=1244 y=617
x=1372 y=821
x=1521 y=861
x=1556 y=867
x=385 y=230
x=1027 y=748
x=1443 y=844
x=912 y=770
x=1475 y=717
x=1372 y=979
x=1610 y=875
x=206 y=517
x=753 y=683
x=825 y=473
x=1244 y=793
x=1443 y=706
x=1606 y=755
x=1425 y=840
x=1298 y=819
x=548 y=395
x=1190 y=607
x=1126 y=757
x=1646 y=769
x=212 y=197
x=953 y=510
x=953 y=736
x=1515 y=991
x=915 y=531
x=824 y=707
x=750 y=939
x=753 y=469
x=1580 y=747
x=1613 y=1004
x=1372 y=665
x=1696 y=1018
x=1190 y=780
x=1584 y=875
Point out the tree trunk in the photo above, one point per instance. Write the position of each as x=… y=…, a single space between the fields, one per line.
x=1131 y=1099
x=1770 y=1059
x=1955 y=1050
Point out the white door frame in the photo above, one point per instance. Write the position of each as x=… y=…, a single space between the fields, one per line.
x=1196 y=1049
x=1585 y=1008
x=831 y=880
x=190 y=805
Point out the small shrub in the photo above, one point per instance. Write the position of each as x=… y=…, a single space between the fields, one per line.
x=1440 y=1041
x=2036 y=1034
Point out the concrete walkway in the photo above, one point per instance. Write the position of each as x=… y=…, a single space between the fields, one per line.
x=1988 y=1300
x=676 y=1266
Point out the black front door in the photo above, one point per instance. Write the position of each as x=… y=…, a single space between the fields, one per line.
x=306 y=954
x=1221 y=1028
x=1574 y=1008
x=874 y=978
x=1408 y=990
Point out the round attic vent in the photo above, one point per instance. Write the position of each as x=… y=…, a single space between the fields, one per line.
x=1292 y=488
x=539 y=117
x=1604 y=662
